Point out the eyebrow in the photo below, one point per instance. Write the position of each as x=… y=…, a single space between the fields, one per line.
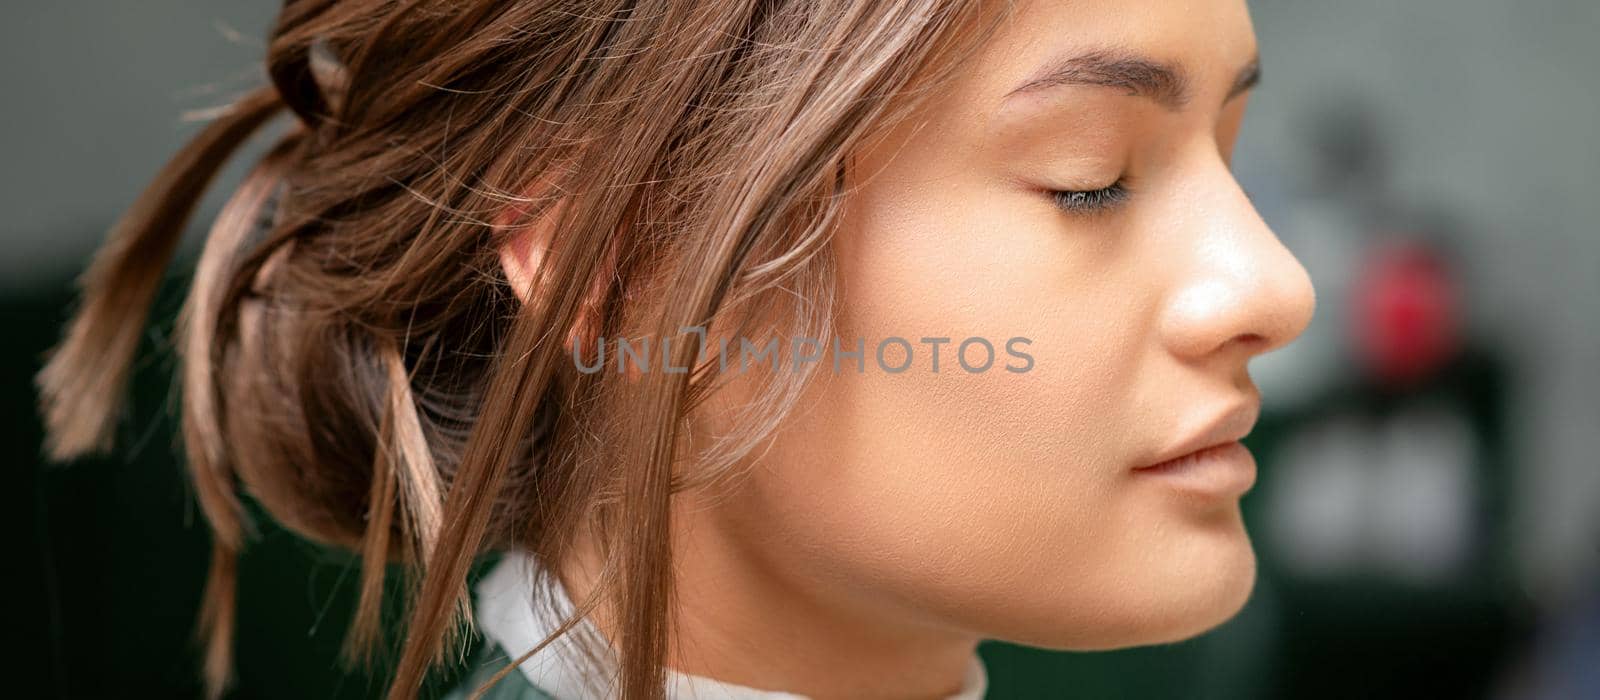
x=1135 y=75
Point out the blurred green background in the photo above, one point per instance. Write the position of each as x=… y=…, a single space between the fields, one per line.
x=1426 y=529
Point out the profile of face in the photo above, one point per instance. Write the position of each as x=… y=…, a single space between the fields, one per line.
x=1071 y=186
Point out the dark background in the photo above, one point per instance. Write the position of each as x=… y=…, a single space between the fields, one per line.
x=1431 y=536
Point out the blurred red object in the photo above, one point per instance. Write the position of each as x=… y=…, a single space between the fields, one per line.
x=1407 y=313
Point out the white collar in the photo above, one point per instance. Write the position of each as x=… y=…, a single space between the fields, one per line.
x=506 y=614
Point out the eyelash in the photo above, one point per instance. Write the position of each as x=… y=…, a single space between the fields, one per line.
x=1091 y=201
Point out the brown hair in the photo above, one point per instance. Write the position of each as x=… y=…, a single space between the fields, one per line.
x=354 y=358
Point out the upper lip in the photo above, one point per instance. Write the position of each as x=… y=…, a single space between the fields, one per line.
x=1226 y=426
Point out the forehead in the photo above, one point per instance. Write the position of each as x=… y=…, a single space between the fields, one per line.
x=966 y=117
x=1209 y=39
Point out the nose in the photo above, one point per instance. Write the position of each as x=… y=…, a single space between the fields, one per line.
x=1243 y=293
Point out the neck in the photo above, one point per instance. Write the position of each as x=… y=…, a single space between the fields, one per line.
x=740 y=619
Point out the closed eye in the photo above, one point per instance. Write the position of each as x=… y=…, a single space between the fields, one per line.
x=1091 y=201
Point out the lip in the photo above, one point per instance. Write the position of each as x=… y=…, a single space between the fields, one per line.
x=1211 y=461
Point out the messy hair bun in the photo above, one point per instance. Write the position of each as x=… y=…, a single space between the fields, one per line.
x=354 y=358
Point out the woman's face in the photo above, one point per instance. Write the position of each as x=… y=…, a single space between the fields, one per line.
x=1013 y=504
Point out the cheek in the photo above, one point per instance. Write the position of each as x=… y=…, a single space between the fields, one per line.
x=975 y=264
x=945 y=488
x=997 y=502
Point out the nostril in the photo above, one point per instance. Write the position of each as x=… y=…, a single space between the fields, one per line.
x=1255 y=342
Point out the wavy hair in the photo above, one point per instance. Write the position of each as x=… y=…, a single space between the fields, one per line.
x=352 y=355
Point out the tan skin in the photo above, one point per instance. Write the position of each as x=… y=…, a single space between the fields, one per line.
x=898 y=519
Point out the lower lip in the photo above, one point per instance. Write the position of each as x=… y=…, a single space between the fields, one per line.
x=1223 y=471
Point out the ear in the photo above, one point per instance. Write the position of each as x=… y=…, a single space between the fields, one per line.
x=524 y=251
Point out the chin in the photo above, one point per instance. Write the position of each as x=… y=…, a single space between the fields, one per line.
x=1203 y=605
x=1185 y=595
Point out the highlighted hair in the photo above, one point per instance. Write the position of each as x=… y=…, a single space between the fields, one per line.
x=352 y=356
